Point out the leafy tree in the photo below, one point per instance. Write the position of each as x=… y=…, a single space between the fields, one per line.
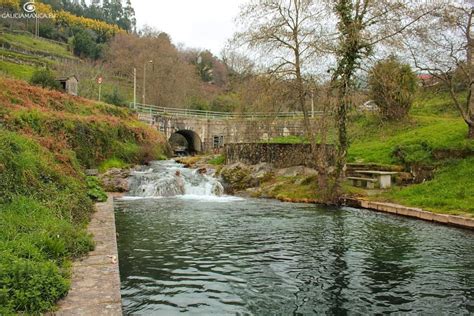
x=45 y=78
x=392 y=87
x=84 y=45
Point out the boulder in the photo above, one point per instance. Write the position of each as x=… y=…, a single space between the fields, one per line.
x=236 y=177
x=295 y=171
x=115 y=180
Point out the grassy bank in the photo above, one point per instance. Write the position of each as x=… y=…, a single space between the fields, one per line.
x=451 y=191
x=433 y=136
x=46 y=140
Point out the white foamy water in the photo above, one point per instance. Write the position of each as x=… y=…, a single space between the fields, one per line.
x=160 y=179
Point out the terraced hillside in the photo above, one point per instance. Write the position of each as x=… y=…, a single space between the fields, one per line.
x=22 y=53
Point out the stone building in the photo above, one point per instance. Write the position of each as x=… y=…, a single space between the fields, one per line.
x=69 y=84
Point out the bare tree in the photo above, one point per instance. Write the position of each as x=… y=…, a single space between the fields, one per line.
x=443 y=48
x=287 y=34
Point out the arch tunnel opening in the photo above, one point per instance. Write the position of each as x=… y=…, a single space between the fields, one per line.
x=185 y=142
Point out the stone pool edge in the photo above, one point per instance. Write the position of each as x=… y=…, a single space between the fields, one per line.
x=397 y=209
x=413 y=212
x=95 y=283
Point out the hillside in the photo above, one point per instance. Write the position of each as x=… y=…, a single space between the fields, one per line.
x=434 y=144
x=46 y=140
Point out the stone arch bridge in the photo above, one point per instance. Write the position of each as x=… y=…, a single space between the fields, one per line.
x=208 y=131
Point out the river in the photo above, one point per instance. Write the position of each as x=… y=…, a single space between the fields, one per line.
x=200 y=253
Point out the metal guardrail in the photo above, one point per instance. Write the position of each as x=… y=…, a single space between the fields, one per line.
x=176 y=112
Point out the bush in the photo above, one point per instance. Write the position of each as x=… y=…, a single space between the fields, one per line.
x=225 y=103
x=45 y=78
x=416 y=153
x=95 y=190
x=392 y=87
x=115 y=98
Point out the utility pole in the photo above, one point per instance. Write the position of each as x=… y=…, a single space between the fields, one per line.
x=144 y=81
x=134 y=88
x=37 y=25
x=312 y=103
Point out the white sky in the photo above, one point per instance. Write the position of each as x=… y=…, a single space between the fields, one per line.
x=205 y=24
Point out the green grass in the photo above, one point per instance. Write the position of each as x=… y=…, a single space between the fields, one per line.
x=23 y=72
x=433 y=103
x=287 y=140
x=38 y=45
x=113 y=163
x=38 y=61
x=43 y=212
x=217 y=161
x=374 y=141
x=451 y=191
x=35 y=250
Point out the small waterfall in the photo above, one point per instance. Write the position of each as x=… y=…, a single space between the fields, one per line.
x=168 y=178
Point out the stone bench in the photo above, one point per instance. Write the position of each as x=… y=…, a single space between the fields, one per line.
x=383 y=178
x=369 y=183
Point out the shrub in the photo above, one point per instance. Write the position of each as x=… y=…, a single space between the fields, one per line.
x=225 y=103
x=392 y=87
x=45 y=78
x=416 y=153
x=115 y=98
x=95 y=190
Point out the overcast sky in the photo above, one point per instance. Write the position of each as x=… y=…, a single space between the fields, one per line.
x=194 y=23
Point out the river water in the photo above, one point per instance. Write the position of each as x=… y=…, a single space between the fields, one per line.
x=199 y=253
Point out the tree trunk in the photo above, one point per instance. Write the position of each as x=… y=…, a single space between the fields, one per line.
x=470 y=133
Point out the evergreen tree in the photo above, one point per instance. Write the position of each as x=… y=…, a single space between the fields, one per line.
x=129 y=17
x=106 y=9
x=116 y=12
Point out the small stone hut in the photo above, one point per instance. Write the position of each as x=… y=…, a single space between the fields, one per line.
x=69 y=84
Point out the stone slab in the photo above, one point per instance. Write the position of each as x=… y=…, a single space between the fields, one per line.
x=95 y=287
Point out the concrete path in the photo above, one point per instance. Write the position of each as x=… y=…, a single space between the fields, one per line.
x=95 y=287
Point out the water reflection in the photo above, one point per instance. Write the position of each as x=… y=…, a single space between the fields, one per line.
x=265 y=258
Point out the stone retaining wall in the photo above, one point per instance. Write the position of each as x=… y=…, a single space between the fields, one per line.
x=280 y=155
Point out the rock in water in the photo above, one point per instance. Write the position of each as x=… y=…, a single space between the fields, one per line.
x=115 y=180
